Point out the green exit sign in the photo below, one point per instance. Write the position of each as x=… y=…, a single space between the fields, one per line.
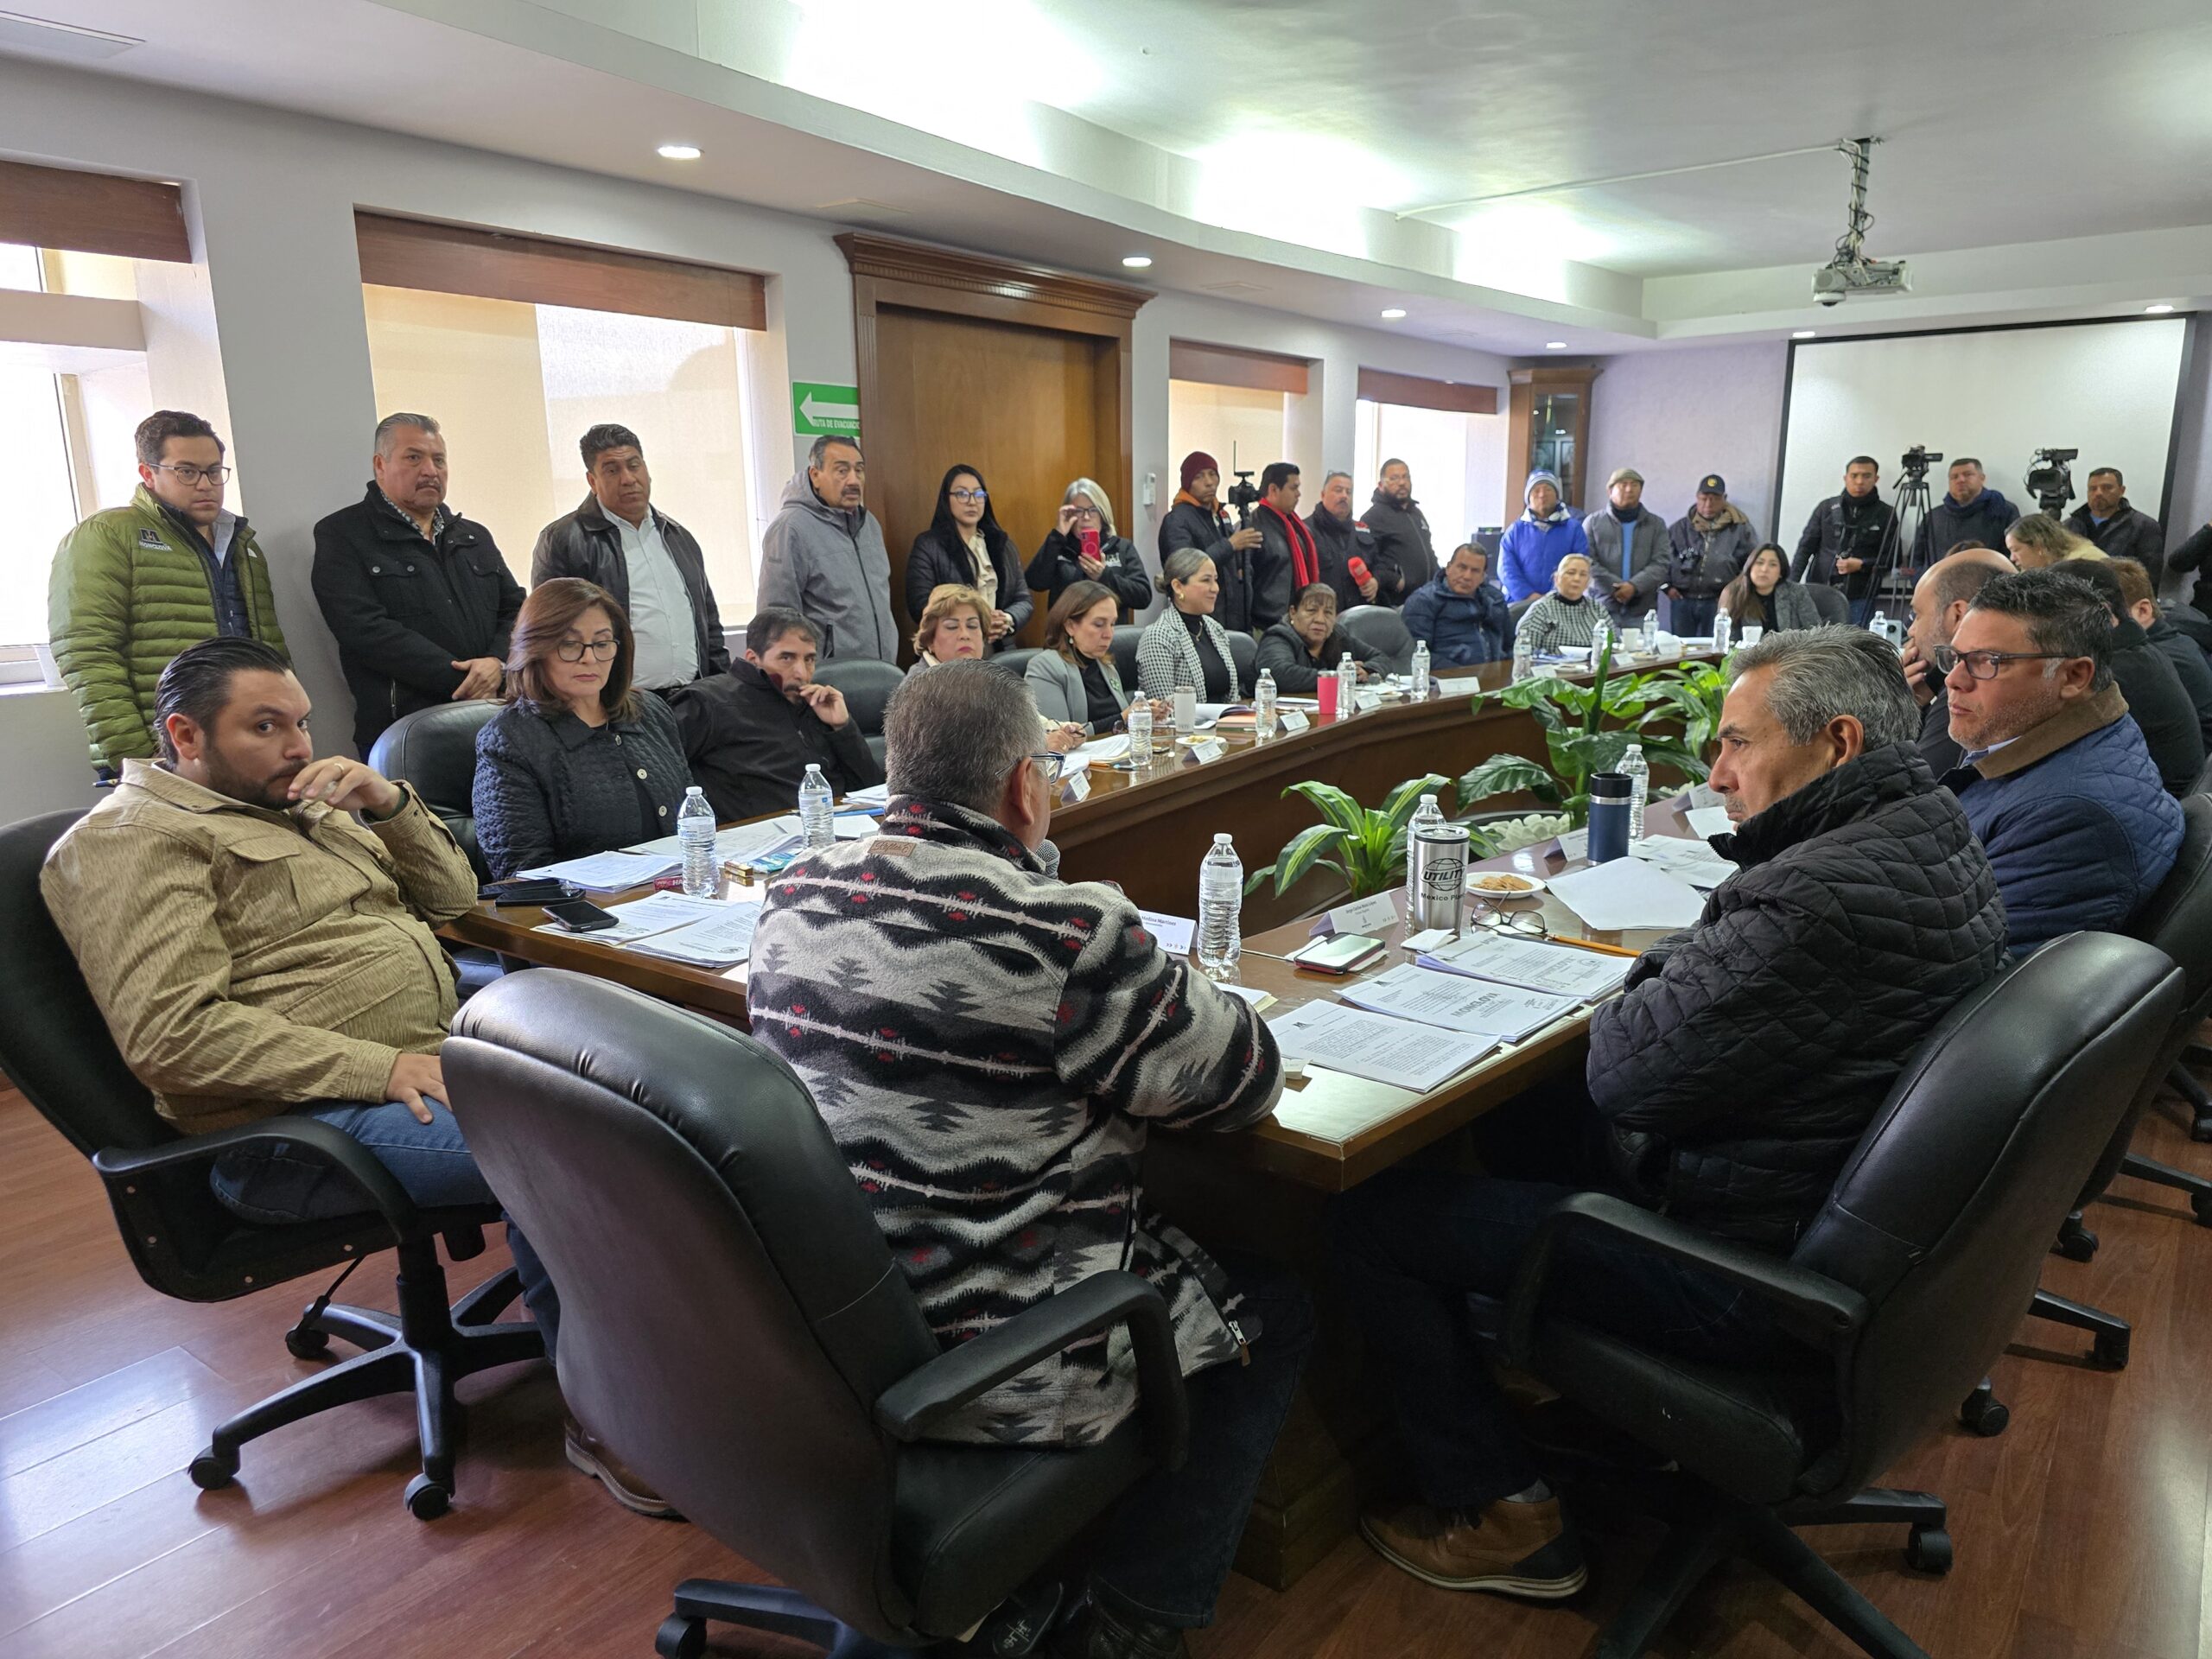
x=819 y=410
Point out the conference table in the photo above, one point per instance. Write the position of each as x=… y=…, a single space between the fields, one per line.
x=1263 y=1190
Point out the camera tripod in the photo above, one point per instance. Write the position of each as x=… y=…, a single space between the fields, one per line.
x=1890 y=557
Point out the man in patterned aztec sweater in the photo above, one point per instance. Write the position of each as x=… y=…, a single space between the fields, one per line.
x=990 y=1045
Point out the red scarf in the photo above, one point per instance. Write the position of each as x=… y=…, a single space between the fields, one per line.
x=1305 y=556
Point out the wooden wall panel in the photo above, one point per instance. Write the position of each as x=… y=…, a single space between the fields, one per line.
x=1381 y=386
x=93 y=213
x=1233 y=365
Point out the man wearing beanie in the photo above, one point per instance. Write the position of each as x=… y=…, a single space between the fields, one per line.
x=1196 y=521
x=1628 y=547
x=1545 y=533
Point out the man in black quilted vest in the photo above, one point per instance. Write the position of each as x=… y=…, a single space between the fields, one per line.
x=1727 y=1084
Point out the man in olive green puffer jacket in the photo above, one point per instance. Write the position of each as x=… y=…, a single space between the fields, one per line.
x=133 y=586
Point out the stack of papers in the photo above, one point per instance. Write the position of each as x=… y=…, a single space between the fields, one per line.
x=1397 y=1051
x=1099 y=752
x=611 y=872
x=734 y=842
x=718 y=941
x=1628 y=892
x=1532 y=964
x=875 y=795
x=1709 y=821
x=1478 y=1006
x=1692 y=860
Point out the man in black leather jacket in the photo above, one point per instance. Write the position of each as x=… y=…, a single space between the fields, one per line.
x=1728 y=1083
x=1401 y=533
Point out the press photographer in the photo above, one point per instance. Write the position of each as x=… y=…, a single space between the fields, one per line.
x=1843 y=538
x=1198 y=521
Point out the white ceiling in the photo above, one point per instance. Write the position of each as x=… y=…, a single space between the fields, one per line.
x=1270 y=147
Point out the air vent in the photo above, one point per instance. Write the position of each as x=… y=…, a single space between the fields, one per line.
x=61 y=40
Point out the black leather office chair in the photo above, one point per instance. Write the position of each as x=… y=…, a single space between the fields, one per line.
x=1382 y=629
x=1834 y=605
x=754 y=1351
x=1905 y=1287
x=867 y=685
x=1014 y=660
x=434 y=749
x=1244 y=654
x=55 y=1047
x=1125 y=656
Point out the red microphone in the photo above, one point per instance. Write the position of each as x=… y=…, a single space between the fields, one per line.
x=1357 y=566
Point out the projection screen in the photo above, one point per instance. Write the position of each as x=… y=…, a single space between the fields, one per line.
x=2107 y=389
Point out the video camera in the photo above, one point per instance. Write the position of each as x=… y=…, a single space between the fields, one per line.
x=1918 y=459
x=1244 y=495
x=2050 y=480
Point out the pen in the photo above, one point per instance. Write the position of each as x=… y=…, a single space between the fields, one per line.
x=1592 y=944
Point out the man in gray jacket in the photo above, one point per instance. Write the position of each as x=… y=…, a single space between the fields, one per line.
x=1628 y=547
x=824 y=557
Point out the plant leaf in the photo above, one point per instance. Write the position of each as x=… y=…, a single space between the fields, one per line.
x=1400 y=804
x=1507 y=774
x=1334 y=805
x=1300 y=852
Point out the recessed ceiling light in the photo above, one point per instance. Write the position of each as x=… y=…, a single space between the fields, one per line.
x=1393 y=314
x=1554 y=344
x=1800 y=333
x=678 y=152
x=1137 y=261
x=2156 y=310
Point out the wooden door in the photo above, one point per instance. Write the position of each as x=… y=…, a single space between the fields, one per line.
x=1018 y=404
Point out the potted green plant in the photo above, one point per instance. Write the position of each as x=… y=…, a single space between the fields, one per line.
x=1364 y=846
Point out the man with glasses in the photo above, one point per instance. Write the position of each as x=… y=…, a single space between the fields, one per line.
x=1940 y=599
x=1728 y=1083
x=989 y=1046
x=133 y=586
x=751 y=733
x=2053 y=775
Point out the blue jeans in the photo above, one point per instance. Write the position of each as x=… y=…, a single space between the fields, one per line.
x=271 y=1185
x=1171 y=1542
x=1692 y=619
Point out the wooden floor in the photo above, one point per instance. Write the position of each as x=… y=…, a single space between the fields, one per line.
x=2081 y=1532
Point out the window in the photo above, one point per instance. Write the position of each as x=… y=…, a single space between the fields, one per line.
x=514 y=386
x=1457 y=460
x=1237 y=426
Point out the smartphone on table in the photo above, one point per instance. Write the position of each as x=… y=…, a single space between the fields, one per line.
x=580 y=915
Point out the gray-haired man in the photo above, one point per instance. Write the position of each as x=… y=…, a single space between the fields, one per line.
x=1728 y=1082
x=989 y=1046
x=823 y=557
x=419 y=598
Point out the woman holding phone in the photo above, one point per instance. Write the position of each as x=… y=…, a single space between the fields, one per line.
x=1083 y=547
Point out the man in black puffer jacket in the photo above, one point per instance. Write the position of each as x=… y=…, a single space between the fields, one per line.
x=1730 y=1080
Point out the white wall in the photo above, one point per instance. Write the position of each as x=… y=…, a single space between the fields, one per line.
x=1675 y=416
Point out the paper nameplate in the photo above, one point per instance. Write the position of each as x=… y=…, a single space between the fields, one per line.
x=1364 y=915
x=1574 y=845
x=1293 y=721
x=1702 y=795
x=1076 y=788
x=1428 y=938
x=1174 y=933
x=1211 y=749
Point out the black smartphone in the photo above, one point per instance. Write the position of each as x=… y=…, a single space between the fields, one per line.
x=580 y=915
x=520 y=891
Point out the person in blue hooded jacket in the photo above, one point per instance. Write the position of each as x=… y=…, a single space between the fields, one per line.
x=1971 y=512
x=1545 y=533
x=1458 y=615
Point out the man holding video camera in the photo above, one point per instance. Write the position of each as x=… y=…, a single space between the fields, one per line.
x=1198 y=521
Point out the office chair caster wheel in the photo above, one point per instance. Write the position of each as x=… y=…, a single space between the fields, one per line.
x=426 y=1499
x=2109 y=1350
x=211 y=1471
x=2201 y=1202
x=2075 y=1243
x=1928 y=1549
x=2201 y=1129
x=1985 y=1416
x=307 y=1342
x=680 y=1637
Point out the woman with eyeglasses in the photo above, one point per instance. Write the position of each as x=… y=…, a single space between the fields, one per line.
x=1068 y=555
x=579 y=761
x=965 y=547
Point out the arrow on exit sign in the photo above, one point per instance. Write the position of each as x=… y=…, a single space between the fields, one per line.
x=819 y=410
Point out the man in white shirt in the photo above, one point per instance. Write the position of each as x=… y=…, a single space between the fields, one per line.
x=651 y=563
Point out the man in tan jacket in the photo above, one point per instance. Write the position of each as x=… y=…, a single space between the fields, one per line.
x=256 y=926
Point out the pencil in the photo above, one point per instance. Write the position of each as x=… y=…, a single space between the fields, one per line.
x=1592 y=944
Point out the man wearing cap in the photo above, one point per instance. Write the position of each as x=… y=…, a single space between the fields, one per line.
x=1545 y=533
x=1198 y=521
x=1843 y=539
x=1707 y=545
x=1401 y=536
x=1628 y=547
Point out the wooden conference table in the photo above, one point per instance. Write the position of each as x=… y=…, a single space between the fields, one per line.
x=1264 y=1190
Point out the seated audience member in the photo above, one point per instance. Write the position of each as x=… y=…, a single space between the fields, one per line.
x=1762 y=596
x=1010 y=1126
x=1723 y=1085
x=579 y=761
x=2038 y=541
x=2187 y=657
x=2118 y=530
x=418 y=598
x=652 y=566
x=2054 y=776
x=1198 y=523
x=965 y=547
x=1970 y=513
x=955 y=626
x=288 y=966
x=1184 y=645
x=1461 y=618
x=1341 y=536
x=1628 y=547
x=1707 y=546
x=1545 y=533
x=1308 y=644
x=1073 y=679
x=1940 y=599
x=1287 y=557
x=823 y=557
x=1567 y=617
x=1061 y=562
x=751 y=733
x=1843 y=539
x=2170 y=713
x=2195 y=554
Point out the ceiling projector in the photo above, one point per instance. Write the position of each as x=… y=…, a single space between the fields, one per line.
x=1851 y=271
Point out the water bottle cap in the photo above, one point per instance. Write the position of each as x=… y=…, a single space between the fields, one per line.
x=1635 y=748
x=1224 y=839
x=693 y=789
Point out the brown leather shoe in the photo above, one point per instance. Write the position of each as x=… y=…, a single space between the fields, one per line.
x=593 y=1455
x=1515 y=1549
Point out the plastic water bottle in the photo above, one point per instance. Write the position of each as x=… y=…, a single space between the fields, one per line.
x=1426 y=814
x=818 y=820
x=1639 y=779
x=1723 y=624
x=1138 y=721
x=694 y=834
x=1263 y=706
x=1347 y=678
x=1420 y=671
x=1601 y=631
x=1524 y=658
x=1221 y=901
x=1650 y=639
